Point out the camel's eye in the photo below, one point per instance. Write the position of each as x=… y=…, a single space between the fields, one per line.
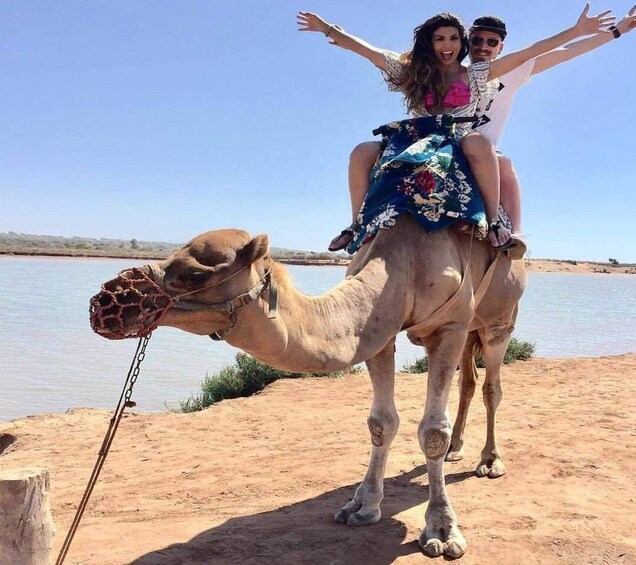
x=197 y=277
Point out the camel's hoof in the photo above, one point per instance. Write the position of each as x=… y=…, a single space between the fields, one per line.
x=455 y=455
x=359 y=516
x=495 y=470
x=482 y=470
x=434 y=547
x=454 y=549
x=341 y=516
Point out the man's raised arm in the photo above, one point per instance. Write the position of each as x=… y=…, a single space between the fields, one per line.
x=585 y=25
x=576 y=48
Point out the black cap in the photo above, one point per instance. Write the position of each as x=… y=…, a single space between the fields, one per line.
x=490 y=23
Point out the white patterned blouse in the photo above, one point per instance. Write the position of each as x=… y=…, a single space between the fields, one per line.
x=477 y=82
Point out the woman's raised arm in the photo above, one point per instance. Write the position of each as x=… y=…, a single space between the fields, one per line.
x=584 y=26
x=337 y=36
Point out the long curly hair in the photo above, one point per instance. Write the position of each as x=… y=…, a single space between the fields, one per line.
x=422 y=72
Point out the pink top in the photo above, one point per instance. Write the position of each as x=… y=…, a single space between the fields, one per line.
x=458 y=95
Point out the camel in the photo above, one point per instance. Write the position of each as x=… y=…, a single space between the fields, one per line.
x=430 y=284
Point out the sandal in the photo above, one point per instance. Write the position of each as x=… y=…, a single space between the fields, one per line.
x=341 y=241
x=494 y=227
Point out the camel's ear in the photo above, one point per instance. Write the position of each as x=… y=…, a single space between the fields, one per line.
x=255 y=249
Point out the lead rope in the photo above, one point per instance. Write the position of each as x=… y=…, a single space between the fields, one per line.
x=124 y=402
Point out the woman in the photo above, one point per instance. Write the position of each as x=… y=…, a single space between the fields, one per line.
x=433 y=81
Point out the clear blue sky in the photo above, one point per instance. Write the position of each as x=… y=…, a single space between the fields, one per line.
x=158 y=120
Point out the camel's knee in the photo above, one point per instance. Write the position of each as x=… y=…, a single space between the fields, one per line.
x=434 y=442
x=498 y=335
x=383 y=428
x=364 y=154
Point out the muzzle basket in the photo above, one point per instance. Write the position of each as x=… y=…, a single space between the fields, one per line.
x=130 y=305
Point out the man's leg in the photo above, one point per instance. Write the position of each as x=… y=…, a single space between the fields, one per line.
x=482 y=159
x=361 y=162
x=510 y=191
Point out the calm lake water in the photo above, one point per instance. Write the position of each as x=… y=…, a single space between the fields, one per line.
x=51 y=361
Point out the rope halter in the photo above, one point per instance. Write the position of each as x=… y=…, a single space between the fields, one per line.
x=133 y=295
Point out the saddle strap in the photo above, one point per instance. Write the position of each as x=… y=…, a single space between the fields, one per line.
x=434 y=318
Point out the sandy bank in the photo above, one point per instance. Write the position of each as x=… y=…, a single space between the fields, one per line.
x=581 y=267
x=534 y=265
x=257 y=480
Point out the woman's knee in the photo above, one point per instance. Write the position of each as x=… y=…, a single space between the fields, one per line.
x=365 y=153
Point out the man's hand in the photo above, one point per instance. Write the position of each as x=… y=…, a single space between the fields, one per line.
x=588 y=25
x=628 y=23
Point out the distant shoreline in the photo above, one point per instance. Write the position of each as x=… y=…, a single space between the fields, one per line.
x=534 y=265
x=155 y=257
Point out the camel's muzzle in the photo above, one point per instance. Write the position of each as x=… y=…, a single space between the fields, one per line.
x=130 y=305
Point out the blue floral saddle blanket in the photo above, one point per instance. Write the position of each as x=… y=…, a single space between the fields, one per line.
x=421 y=171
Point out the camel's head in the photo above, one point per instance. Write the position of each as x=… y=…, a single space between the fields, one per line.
x=197 y=289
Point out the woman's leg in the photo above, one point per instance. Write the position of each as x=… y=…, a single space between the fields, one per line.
x=361 y=162
x=510 y=189
x=482 y=159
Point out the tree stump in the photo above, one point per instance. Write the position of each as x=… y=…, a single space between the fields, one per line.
x=26 y=526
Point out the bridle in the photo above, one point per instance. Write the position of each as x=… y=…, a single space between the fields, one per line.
x=229 y=307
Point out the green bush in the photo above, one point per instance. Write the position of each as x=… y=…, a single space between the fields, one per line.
x=246 y=377
x=420 y=366
x=517 y=350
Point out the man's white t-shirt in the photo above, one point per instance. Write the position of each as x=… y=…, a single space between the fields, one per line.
x=493 y=112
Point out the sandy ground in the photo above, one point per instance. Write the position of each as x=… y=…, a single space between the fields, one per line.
x=257 y=480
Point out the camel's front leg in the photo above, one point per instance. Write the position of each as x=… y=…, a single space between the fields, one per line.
x=383 y=424
x=441 y=533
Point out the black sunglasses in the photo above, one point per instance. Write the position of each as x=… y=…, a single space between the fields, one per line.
x=477 y=41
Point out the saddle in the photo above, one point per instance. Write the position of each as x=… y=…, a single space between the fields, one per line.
x=421 y=171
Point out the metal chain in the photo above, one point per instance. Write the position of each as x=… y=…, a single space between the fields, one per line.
x=133 y=378
x=124 y=402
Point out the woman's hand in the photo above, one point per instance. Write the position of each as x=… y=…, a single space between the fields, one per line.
x=311 y=22
x=628 y=23
x=589 y=25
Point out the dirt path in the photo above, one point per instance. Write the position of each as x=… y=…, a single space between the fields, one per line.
x=257 y=480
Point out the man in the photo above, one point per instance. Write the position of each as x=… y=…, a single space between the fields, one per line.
x=486 y=38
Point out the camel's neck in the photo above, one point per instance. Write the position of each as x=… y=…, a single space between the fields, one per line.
x=348 y=325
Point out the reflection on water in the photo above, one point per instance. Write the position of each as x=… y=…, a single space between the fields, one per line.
x=50 y=360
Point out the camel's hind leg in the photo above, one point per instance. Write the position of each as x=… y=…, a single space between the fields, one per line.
x=494 y=342
x=441 y=534
x=383 y=424
x=467 y=383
